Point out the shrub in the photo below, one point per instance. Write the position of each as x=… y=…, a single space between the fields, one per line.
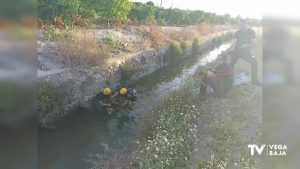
x=204 y=29
x=56 y=34
x=151 y=20
x=175 y=49
x=174 y=53
x=162 y=22
x=196 y=45
x=166 y=132
x=184 y=46
x=112 y=42
x=83 y=50
x=156 y=35
x=49 y=98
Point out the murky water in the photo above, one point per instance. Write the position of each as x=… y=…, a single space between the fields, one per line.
x=91 y=131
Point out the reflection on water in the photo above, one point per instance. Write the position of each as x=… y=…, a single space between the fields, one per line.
x=85 y=131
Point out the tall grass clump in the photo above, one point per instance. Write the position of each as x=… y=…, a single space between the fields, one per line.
x=83 y=49
x=156 y=35
x=49 y=99
x=196 y=45
x=112 y=42
x=166 y=132
x=174 y=53
x=184 y=46
x=56 y=34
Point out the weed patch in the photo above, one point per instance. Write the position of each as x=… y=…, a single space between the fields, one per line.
x=112 y=42
x=83 y=49
x=49 y=98
x=196 y=45
x=174 y=53
x=156 y=36
x=167 y=134
x=56 y=34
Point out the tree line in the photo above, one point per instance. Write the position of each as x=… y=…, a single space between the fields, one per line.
x=125 y=11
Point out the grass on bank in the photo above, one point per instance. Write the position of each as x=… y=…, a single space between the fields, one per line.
x=223 y=145
x=167 y=131
x=49 y=99
x=83 y=49
x=228 y=146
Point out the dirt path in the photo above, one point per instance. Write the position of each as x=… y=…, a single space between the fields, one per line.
x=227 y=125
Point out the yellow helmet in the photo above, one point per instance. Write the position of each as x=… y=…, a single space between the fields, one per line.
x=123 y=91
x=107 y=91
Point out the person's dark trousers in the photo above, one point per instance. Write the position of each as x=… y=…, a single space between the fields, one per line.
x=212 y=82
x=245 y=54
x=203 y=88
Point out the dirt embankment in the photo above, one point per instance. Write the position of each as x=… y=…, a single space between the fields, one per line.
x=115 y=45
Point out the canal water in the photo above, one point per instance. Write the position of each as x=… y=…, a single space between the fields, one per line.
x=92 y=131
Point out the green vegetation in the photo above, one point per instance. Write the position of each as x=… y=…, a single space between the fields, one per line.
x=184 y=46
x=167 y=131
x=72 y=12
x=225 y=139
x=174 y=53
x=83 y=49
x=112 y=42
x=54 y=34
x=175 y=50
x=228 y=143
x=142 y=12
x=49 y=98
x=196 y=45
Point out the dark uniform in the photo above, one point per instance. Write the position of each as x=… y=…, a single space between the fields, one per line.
x=221 y=83
x=131 y=95
x=104 y=98
x=244 y=38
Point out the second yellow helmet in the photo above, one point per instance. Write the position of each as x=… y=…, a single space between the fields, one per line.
x=123 y=91
x=107 y=91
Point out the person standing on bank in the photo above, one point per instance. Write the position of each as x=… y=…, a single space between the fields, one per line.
x=244 y=37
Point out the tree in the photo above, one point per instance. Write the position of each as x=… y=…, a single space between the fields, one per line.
x=150 y=3
x=115 y=9
x=122 y=9
x=143 y=12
